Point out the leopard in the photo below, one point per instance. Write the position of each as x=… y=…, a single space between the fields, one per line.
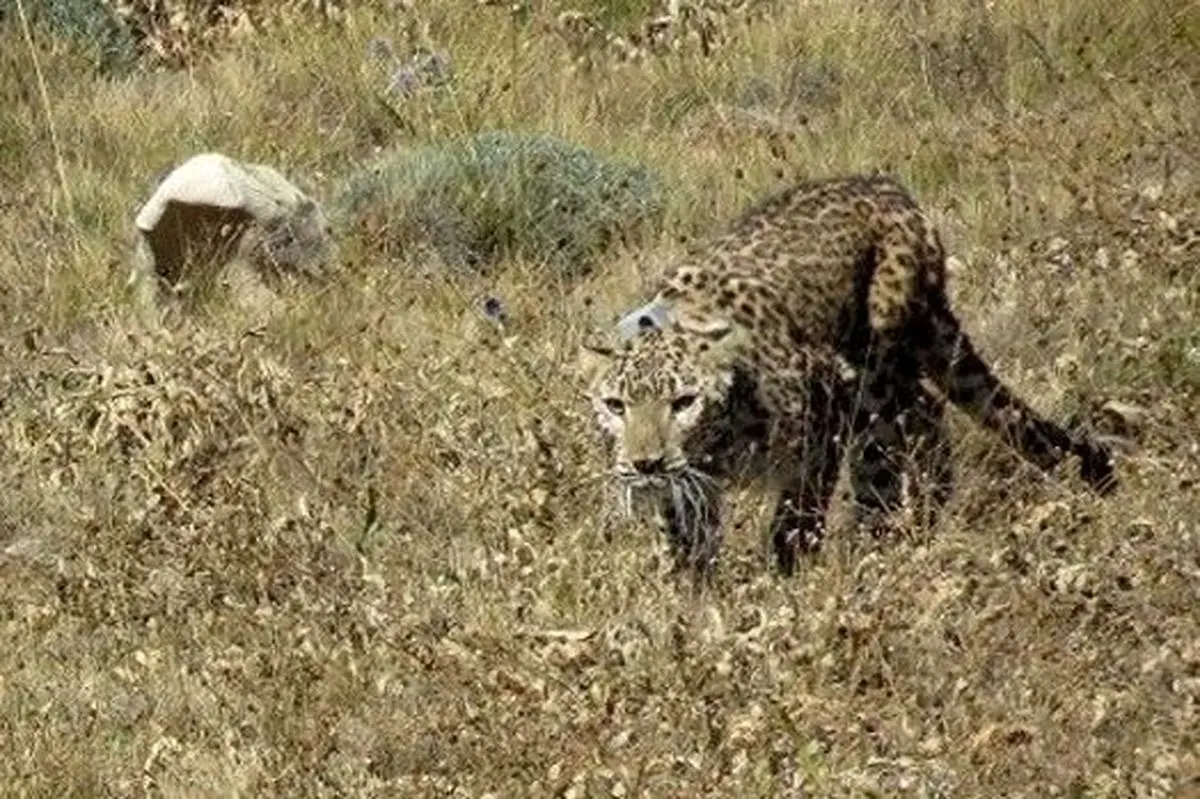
x=816 y=328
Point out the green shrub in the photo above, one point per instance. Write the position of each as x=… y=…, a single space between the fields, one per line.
x=479 y=199
x=91 y=25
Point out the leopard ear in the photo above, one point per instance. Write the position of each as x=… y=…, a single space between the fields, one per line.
x=724 y=337
x=594 y=357
x=713 y=328
x=723 y=341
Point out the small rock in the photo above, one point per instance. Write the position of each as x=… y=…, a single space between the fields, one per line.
x=1124 y=418
x=1152 y=191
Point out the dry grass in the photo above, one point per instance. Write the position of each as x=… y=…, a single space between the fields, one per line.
x=360 y=550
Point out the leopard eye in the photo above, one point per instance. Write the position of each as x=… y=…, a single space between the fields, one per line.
x=615 y=406
x=682 y=403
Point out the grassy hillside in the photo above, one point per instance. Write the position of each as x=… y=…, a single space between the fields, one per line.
x=361 y=548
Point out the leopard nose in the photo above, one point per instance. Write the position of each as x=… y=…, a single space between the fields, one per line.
x=649 y=465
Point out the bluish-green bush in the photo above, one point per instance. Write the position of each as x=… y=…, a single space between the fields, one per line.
x=481 y=198
x=90 y=25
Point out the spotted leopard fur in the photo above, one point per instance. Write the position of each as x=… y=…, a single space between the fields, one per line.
x=803 y=333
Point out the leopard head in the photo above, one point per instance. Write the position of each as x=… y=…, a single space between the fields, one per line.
x=653 y=393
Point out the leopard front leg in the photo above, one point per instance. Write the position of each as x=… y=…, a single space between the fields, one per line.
x=692 y=518
x=809 y=411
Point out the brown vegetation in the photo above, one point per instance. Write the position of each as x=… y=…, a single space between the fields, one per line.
x=361 y=549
